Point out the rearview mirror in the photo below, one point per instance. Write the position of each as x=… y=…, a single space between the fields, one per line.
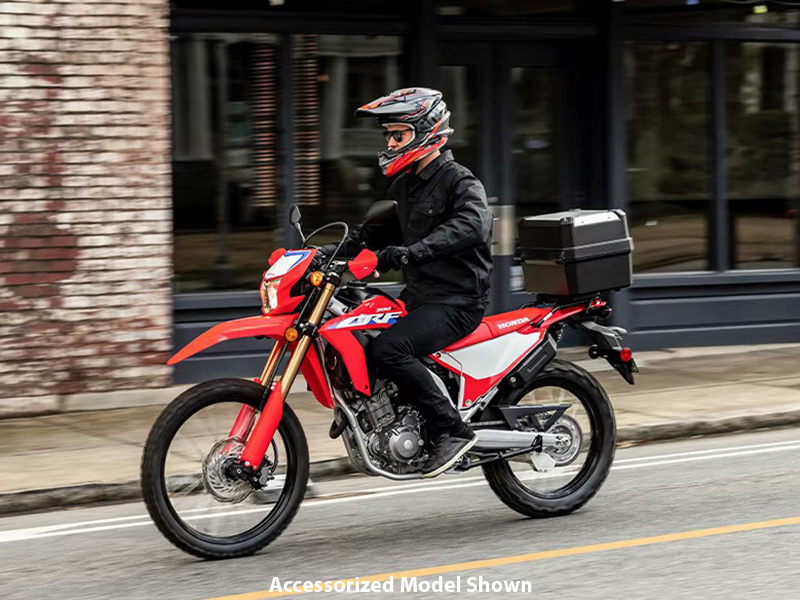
x=381 y=212
x=294 y=215
x=294 y=219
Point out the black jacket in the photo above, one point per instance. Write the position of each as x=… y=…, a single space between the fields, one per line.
x=447 y=226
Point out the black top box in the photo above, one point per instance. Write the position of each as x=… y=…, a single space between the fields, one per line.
x=576 y=252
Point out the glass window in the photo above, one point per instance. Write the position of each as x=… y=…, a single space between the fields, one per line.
x=763 y=154
x=459 y=85
x=668 y=154
x=350 y=71
x=508 y=8
x=358 y=8
x=226 y=159
x=534 y=102
x=680 y=12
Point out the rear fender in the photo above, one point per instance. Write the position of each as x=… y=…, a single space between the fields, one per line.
x=272 y=326
x=608 y=344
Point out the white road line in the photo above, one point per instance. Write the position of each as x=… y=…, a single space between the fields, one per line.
x=656 y=463
x=16 y=535
x=710 y=451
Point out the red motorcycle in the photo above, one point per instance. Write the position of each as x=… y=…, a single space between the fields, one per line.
x=226 y=464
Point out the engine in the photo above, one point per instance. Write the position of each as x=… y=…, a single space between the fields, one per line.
x=393 y=432
x=400 y=441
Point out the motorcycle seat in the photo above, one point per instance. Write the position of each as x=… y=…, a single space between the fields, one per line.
x=497 y=325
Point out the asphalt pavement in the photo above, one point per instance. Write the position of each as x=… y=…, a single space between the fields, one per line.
x=715 y=517
x=88 y=456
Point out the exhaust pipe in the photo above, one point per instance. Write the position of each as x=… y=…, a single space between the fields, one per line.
x=504 y=439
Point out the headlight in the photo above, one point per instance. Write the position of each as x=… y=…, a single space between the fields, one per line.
x=269 y=295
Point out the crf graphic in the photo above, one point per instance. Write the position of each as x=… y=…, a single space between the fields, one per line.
x=388 y=318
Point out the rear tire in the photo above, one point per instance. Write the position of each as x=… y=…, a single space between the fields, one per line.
x=155 y=488
x=594 y=471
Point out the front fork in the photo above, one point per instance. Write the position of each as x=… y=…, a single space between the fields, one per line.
x=244 y=421
x=264 y=430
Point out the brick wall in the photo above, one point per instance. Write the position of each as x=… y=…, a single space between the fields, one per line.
x=85 y=209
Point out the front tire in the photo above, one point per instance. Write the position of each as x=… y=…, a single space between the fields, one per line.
x=211 y=531
x=590 y=475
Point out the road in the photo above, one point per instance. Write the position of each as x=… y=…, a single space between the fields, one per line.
x=365 y=526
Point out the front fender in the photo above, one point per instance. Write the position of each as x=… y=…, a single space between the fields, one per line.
x=272 y=326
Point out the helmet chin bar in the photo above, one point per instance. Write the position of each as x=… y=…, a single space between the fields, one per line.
x=392 y=163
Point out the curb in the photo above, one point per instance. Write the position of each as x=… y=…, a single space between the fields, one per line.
x=672 y=430
x=26 y=501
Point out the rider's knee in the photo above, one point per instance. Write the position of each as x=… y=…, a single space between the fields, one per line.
x=385 y=351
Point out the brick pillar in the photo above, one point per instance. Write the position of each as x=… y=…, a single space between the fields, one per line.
x=85 y=199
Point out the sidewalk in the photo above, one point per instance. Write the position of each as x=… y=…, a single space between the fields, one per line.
x=91 y=456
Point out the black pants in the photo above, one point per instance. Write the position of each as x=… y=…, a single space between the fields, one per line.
x=423 y=331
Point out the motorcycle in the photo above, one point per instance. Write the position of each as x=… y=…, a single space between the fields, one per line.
x=226 y=464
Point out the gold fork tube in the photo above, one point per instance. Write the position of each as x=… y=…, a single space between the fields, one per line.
x=322 y=304
x=272 y=362
x=299 y=354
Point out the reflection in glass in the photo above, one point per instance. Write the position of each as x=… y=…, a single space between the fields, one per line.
x=668 y=154
x=713 y=11
x=459 y=85
x=763 y=154
x=534 y=98
x=336 y=172
x=352 y=70
x=509 y=8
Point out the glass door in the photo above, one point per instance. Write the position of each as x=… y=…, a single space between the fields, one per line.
x=512 y=130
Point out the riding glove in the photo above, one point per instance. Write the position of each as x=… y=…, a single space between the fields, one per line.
x=392 y=258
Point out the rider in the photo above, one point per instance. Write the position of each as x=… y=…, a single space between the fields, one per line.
x=445 y=257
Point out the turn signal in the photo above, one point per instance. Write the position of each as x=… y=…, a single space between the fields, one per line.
x=316 y=278
x=626 y=355
x=291 y=334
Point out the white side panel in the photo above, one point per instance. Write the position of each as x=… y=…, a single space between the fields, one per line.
x=494 y=356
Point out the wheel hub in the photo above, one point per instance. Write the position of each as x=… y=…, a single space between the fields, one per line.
x=568 y=430
x=216 y=467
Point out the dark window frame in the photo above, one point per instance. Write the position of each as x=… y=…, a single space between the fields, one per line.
x=719 y=243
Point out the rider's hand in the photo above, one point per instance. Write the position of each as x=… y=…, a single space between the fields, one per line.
x=320 y=260
x=392 y=258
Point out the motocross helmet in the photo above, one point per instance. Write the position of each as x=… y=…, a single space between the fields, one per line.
x=424 y=111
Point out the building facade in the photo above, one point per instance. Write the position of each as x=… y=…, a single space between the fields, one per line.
x=682 y=113
x=85 y=200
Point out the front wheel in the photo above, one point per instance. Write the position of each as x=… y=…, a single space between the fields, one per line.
x=185 y=467
x=560 y=480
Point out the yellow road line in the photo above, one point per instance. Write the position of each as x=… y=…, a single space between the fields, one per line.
x=523 y=558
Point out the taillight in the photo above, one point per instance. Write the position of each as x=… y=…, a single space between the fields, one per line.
x=625 y=355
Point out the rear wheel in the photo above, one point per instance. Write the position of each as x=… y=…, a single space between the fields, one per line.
x=560 y=480
x=186 y=481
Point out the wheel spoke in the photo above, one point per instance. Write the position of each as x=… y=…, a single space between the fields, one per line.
x=574 y=424
x=197 y=480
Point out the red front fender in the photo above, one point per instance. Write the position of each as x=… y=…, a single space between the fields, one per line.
x=269 y=326
x=272 y=326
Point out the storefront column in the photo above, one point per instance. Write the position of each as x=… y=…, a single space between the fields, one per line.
x=334 y=93
x=421 y=46
x=719 y=226
x=616 y=116
x=286 y=144
x=199 y=107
